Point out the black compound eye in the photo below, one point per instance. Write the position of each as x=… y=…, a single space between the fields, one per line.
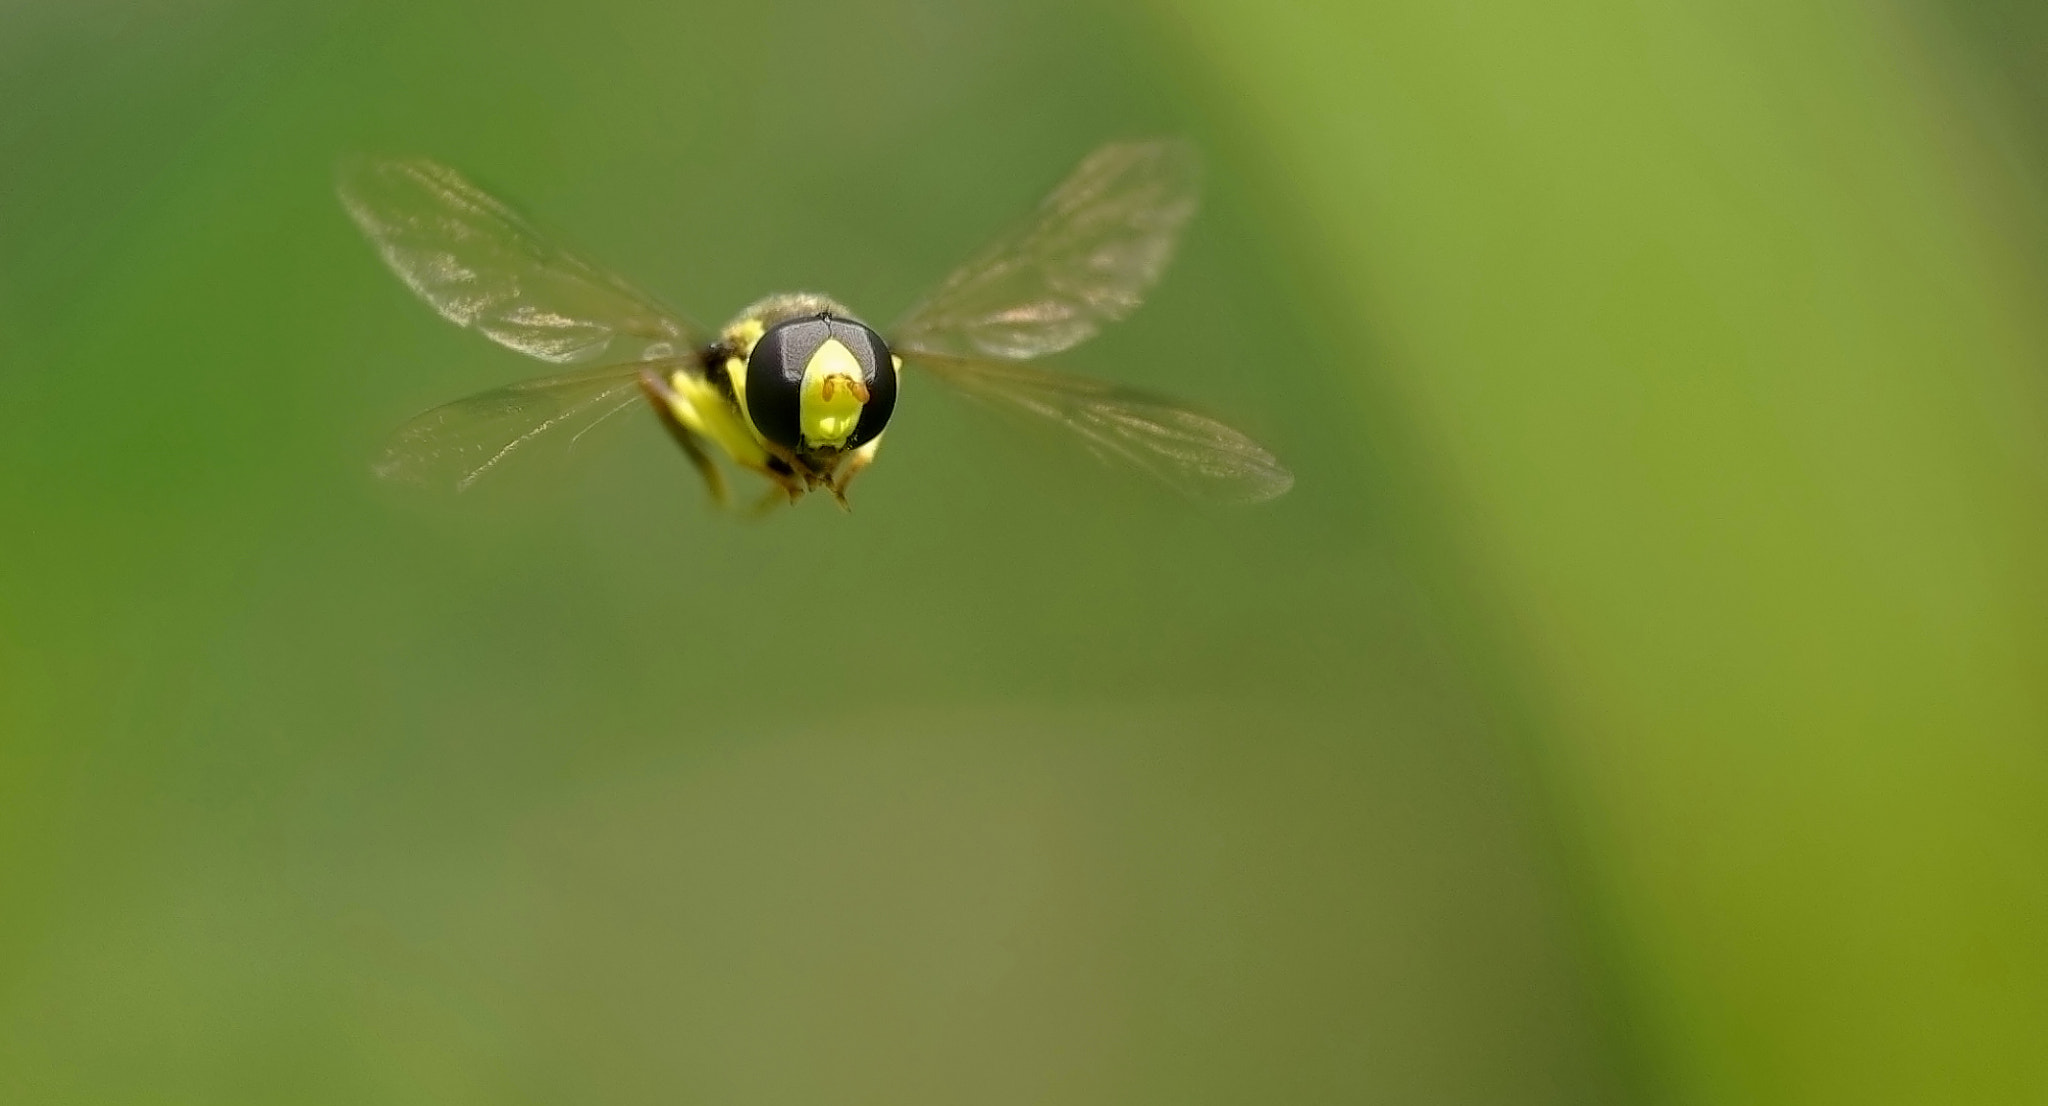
x=820 y=383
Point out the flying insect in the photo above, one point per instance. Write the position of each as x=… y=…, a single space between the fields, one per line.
x=797 y=388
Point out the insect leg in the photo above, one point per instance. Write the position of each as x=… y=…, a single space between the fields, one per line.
x=856 y=461
x=663 y=399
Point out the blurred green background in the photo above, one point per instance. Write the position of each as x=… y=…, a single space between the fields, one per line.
x=1640 y=698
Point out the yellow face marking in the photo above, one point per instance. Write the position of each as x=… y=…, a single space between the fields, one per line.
x=833 y=395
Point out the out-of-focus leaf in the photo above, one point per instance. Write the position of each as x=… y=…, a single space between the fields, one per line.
x=1745 y=424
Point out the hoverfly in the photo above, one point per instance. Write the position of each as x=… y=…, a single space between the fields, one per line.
x=797 y=388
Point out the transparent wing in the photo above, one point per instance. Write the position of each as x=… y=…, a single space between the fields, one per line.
x=456 y=443
x=1085 y=258
x=1190 y=452
x=483 y=265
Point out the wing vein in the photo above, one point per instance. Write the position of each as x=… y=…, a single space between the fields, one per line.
x=482 y=265
x=1196 y=455
x=1086 y=257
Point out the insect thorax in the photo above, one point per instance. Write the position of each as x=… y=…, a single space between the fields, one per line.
x=746 y=328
